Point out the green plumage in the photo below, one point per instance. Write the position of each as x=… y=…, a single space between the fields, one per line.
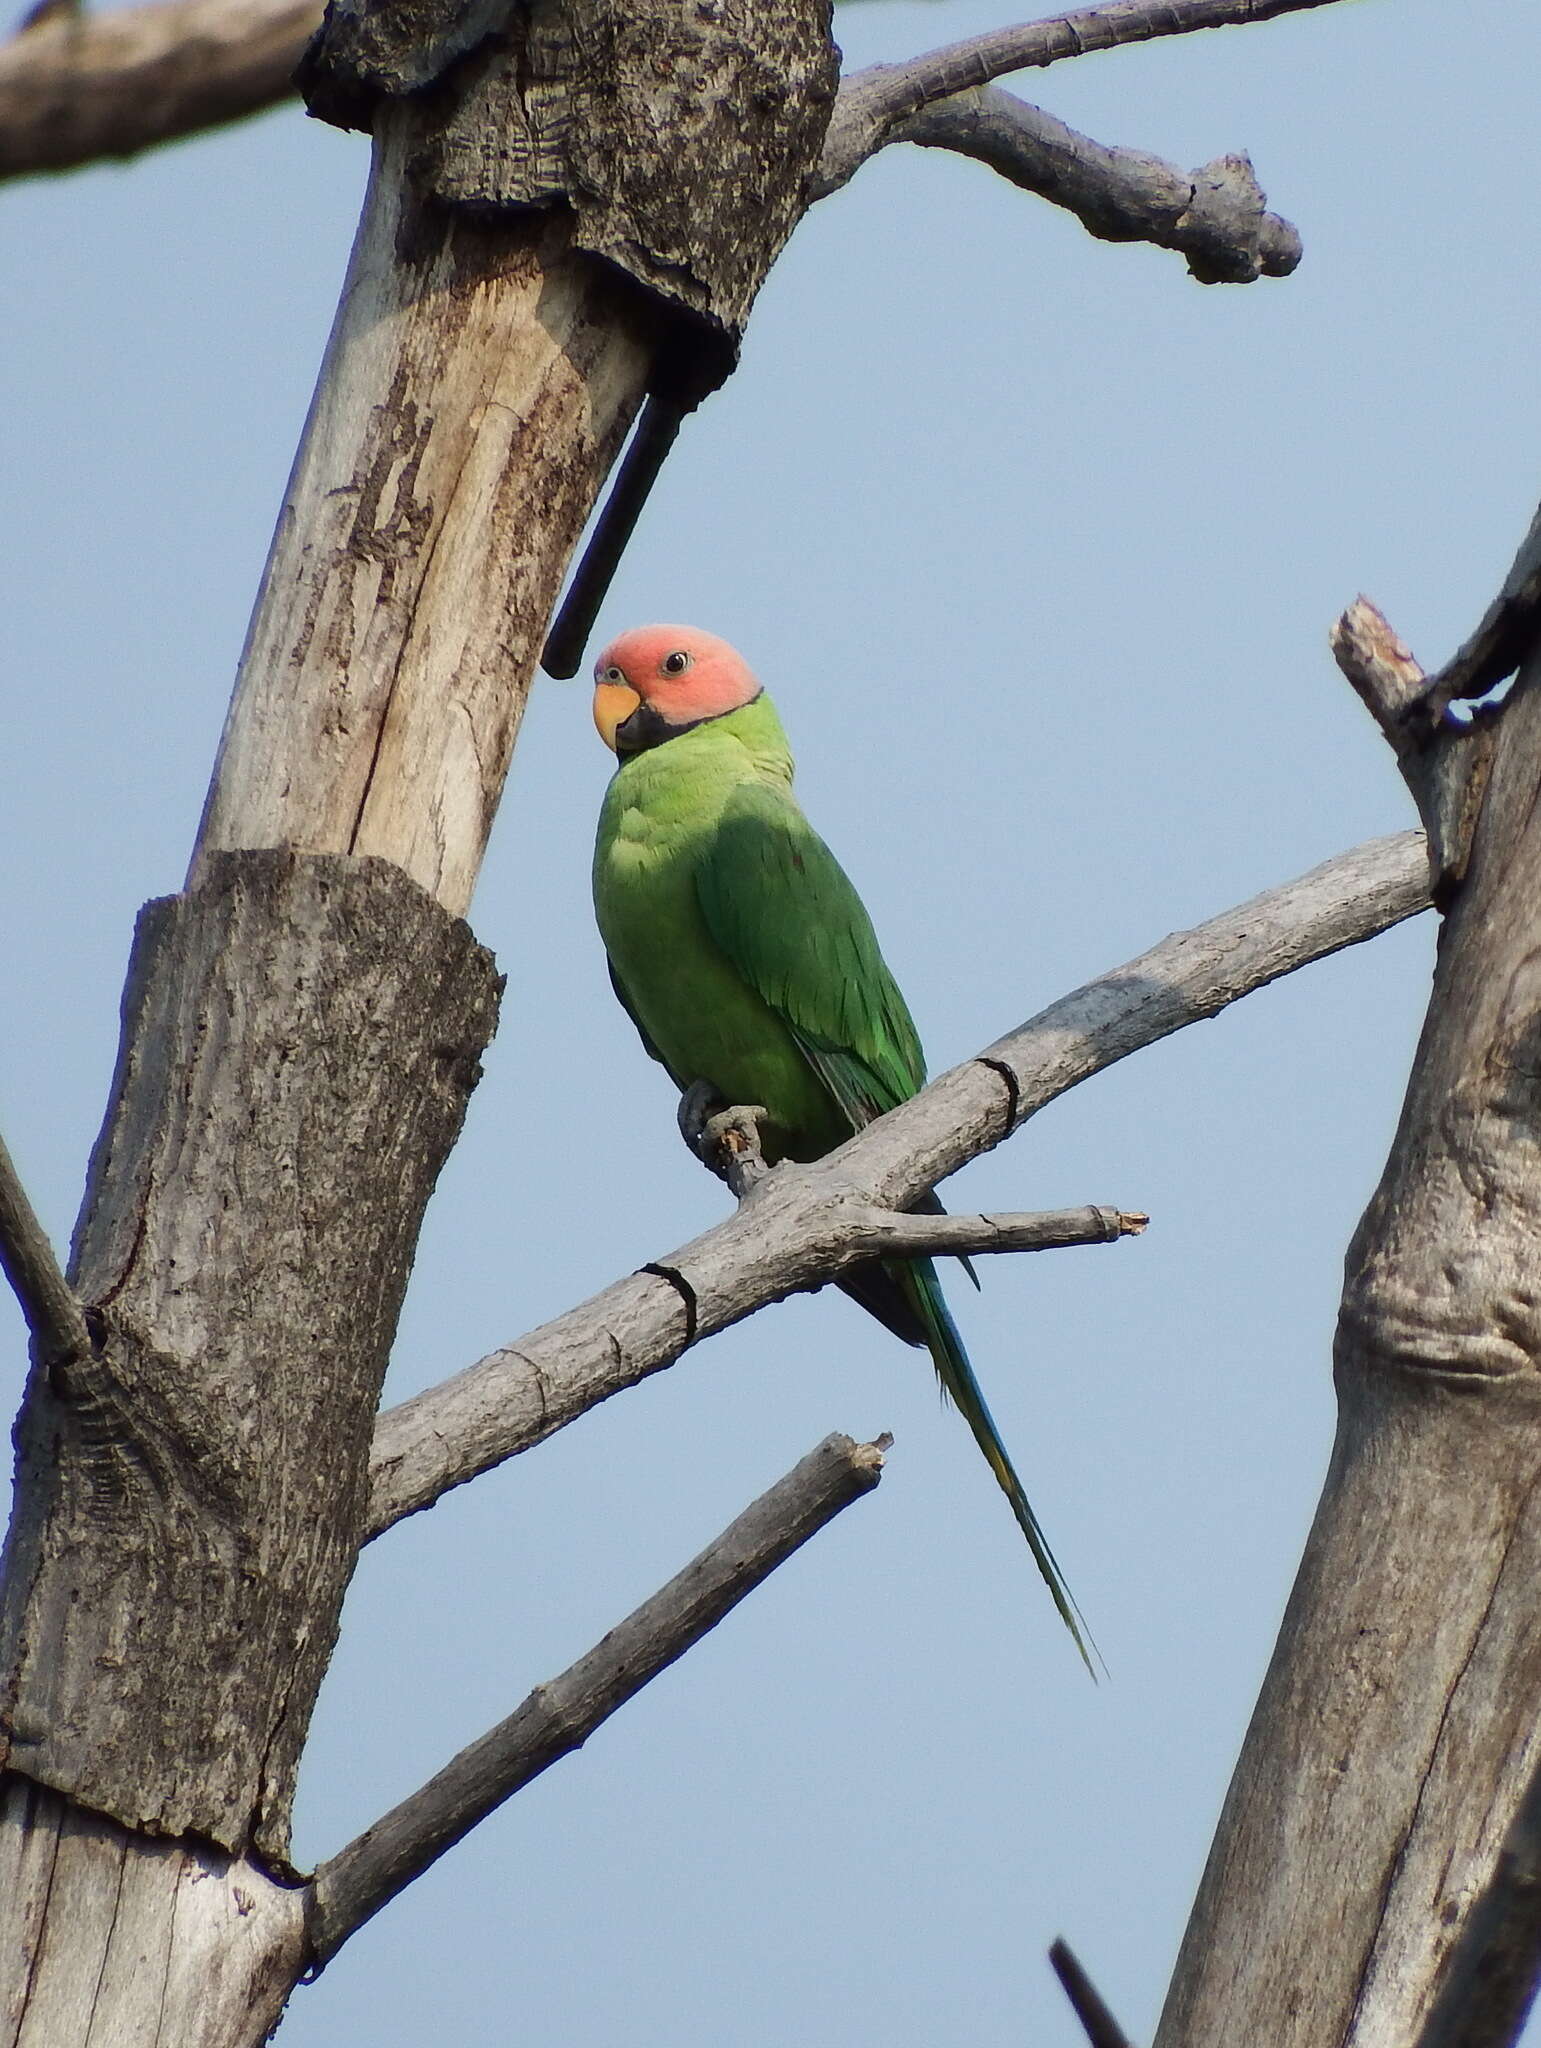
x=747 y=960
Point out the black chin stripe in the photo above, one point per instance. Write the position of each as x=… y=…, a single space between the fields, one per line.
x=647 y=727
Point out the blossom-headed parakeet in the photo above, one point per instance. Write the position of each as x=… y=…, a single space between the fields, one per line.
x=746 y=960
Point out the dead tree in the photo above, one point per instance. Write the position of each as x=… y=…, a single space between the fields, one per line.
x=570 y=214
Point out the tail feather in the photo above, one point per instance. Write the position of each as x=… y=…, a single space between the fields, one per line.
x=923 y=1290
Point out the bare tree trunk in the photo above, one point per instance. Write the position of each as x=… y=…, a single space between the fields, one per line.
x=302 y=1027
x=1398 y=1722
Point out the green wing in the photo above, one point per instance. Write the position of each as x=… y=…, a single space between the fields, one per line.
x=784 y=911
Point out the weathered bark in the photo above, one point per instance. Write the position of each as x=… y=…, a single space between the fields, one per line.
x=301 y=1030
x=300 y=1039
x=476 y=388
x=1398 y=1723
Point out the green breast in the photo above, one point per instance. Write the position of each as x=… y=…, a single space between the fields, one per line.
x=660 y=816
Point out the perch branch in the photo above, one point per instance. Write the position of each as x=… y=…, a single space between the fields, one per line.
x=74 y=89
x=1215 y=217
x=560 y=1716
x=772 y=1245
x=1102 y=2030
x=873 y=101
x=1444 y=765
x=54 y=1315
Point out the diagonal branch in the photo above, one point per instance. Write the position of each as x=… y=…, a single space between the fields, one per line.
x=1215 y=216
x=779 y=1241
x=53 y=1313
x=353 y=1885
x=872 y=101
x=1087 y=2003
x=75 y=89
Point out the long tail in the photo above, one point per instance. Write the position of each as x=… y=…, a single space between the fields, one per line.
x=923 y=1291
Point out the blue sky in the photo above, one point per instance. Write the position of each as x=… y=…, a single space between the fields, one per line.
x=1036 y=542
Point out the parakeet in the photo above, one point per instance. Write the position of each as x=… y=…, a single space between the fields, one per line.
x=746 y=958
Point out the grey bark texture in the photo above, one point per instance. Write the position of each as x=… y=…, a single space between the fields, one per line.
x=73 y=90
x=1216 y=216
x=300 y=1037
x=1398 y=1725
x=560 y=106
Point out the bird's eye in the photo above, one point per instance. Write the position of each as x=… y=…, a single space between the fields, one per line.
x=675 y=664
x=612 y=675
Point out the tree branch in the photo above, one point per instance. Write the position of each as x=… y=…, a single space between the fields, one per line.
x=780 y=1241
x=1215 y=216
x=1086 y=2002
x=54 y=1314
x=74 y=90
x=1505 y=633
x=1445 y=765
x=352 y=1886
x=872 y=101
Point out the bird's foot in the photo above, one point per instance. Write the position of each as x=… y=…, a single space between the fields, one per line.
x=733 y=1138
x=725 y=1137
x=698 y=1104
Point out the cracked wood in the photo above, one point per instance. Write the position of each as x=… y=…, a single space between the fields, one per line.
x=1401 y=1716
x=476 y=388
x=300 y=1038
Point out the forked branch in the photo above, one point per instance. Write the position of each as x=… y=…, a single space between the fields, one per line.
x=560 y=1716
x=76 y=88
x=873 y=101
x=517 y=1396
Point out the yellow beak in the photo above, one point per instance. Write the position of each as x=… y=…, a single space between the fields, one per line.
x=613 y=705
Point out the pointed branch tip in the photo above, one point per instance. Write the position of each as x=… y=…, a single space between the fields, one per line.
x=561 y=1714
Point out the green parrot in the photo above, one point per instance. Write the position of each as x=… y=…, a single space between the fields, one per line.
x=746 y=960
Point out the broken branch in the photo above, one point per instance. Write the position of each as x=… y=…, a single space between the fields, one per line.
x=1215 y=216
x=352 y=1886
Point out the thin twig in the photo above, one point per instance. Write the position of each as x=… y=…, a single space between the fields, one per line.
x=1216 y=217
x=54 y=1315
x=517 y=1396
x=1102 y=2030
x=557 y=1717
x=872 y=101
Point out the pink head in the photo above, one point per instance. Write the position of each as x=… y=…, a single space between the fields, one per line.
x=656 y=680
